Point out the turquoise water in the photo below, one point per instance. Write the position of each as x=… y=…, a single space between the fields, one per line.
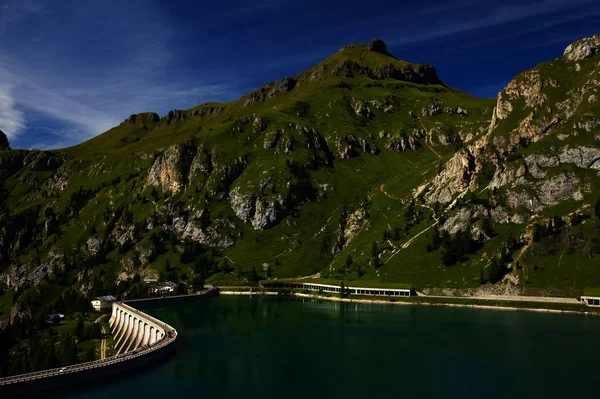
x=267 y=346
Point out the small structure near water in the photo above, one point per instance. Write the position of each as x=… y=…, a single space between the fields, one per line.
x=103 y=303
x=591 y=297
x=348 y=290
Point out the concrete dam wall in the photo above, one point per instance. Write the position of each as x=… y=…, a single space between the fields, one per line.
x=141 y=342
x=134 y=329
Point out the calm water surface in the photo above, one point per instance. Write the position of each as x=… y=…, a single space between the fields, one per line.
x=288 y=347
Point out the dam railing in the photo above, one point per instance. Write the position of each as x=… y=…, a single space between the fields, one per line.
x=169 y=338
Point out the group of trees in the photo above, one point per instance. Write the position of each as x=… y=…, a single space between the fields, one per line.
x=454 y=248
x=554 y=226
x=41 y=353
x=79 y=198
x=499 y=265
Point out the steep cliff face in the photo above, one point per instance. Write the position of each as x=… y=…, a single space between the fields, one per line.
x=171 y=168
x=542 y=123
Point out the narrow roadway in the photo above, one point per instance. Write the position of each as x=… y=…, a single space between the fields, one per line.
x=103 y=343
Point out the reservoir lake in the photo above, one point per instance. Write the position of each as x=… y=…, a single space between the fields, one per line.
x=263 y=346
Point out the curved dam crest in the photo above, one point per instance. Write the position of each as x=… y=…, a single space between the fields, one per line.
x=134 y=329
x=141 y=340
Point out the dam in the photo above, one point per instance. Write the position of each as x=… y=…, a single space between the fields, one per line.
x=141 y=341
x=134 y=329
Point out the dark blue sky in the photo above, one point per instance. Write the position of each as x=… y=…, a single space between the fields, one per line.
x=71 y=69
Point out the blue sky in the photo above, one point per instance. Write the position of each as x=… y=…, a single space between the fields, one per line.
x=71 y=69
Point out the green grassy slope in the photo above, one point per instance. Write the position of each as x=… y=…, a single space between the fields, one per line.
x=321 y=150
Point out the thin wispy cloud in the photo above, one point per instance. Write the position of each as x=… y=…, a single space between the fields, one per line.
x=499 y=15
x=14 y=11
x=78 y=68
x=114 y=61
x=12 y=120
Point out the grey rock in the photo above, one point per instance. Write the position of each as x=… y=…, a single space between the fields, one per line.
x=171 y=168
x=582 y=49
x=271 y=139
x=262 y=213
x=201 y=166
x=93 y=245
x=401 y=143
x=271 y=90
x=456 y=111
x=454 y=178
x=41 y=161
x=144 y=118
x=361 y=110
x=432 y=109
x=422 y=74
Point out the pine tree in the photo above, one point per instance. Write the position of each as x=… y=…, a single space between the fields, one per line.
x=80 y=328
x=436 y=240
x=397 y=234
x=374 y=249
x=349 y=261
x=253 y=277
x=386 y=235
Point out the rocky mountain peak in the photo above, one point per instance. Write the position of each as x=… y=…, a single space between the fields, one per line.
x=3 y=141
x=145 y=117
x=583 y=48
x=377 y=46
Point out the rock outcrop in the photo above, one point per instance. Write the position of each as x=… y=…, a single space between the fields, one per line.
x=582 y=49
x=432 y=109
x=535 y=105
x=350 y=225
x=455 y=178
x=421 y=74
x=401 y=143
x=377 y=46
x=41 y=160
x=170 y=170
x=259 y=210
x=3 y=141
x=144 y=118
x=270 y=90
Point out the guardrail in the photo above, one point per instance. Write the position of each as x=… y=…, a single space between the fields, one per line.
x=169 y=338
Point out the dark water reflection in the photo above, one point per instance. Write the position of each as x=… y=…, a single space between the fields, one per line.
x=266 y=347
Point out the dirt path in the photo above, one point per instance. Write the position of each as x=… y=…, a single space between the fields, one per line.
x=458 y=305
x=407 y=243
x=382 y=189
x=229 y=259
x=316 y=275
x=512 y=298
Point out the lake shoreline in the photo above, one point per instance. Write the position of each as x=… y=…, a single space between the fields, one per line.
x=443 y=303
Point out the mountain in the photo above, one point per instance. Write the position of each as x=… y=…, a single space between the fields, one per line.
x=4 y=141
x=363 y=167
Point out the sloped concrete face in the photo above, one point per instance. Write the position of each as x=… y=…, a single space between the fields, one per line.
x=133 y=329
